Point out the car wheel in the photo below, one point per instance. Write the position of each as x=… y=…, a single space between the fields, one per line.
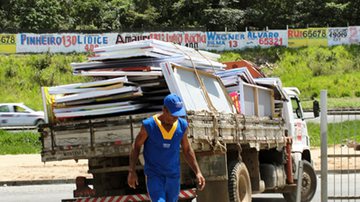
x=39 y=122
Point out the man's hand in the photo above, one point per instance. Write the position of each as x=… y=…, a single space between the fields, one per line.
x=133 y=179
x=201 y=181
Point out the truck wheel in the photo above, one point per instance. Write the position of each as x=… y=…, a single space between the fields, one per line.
x=239 y=183
x=308 y=185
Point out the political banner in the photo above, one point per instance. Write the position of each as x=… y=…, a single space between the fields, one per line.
x=296 y=38
x=60 y=43
x=316 y=36
x=266 y=38
x=307 y=37
x=120 y=38
x=338 y=36
x=354 y=34
x=225 y=40
x=195 y=39
x=219 y=41
x=7 y=43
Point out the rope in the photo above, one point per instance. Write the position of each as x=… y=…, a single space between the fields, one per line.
x=212 y=66
x=202 y=86
x=213 y=110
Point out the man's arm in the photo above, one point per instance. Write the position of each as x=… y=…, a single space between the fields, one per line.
x=191 y=160
x=134 y=156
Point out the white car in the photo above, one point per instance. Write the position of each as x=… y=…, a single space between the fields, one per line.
x=18 y=114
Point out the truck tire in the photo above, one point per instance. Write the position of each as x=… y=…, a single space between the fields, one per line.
x=309 y=183
x=239 y=183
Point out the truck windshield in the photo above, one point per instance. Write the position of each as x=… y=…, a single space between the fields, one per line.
x=297 y=113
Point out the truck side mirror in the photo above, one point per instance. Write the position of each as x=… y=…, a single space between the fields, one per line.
x=316 y=108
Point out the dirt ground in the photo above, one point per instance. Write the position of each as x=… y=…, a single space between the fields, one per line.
x=30 y=167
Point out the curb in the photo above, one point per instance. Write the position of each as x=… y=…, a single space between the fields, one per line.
x=36 y=182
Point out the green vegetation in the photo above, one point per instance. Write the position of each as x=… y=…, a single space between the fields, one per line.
x=19 y=143
x=21 y=76
x=344 y=102
x=337 y=133
x=233 y=15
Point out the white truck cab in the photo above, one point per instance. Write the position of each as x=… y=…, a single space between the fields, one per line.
x=297 y=129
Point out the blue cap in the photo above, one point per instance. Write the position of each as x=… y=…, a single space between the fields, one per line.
x=175 y=105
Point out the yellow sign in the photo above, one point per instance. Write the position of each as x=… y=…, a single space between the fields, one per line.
x=307 y=37
x=7 y=43
x=317 y=37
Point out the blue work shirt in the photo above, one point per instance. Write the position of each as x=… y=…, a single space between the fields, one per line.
x=162 y=148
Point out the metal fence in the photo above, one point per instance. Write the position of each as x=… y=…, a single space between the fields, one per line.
x=340 y=153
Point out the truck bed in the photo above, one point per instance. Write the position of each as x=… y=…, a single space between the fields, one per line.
x=113 y=136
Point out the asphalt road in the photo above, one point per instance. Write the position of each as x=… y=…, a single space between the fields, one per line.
x=309 y=117
x=338 y=184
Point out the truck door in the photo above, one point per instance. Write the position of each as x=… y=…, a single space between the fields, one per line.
x=301 y=138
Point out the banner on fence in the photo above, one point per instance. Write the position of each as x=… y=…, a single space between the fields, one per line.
x=64 y=43
x=219 y=41
x=266 y=38
x=307 y=37
x=354 y=34
x=338 y=36
x=7 y=43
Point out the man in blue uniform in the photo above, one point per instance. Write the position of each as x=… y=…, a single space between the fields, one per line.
x=162 y=135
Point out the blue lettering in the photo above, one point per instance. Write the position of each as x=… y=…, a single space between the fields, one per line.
x=58 y=40
x=79 y=40
x=52 y=40
x=211 y=36
x=23 y=39
x=37 y=40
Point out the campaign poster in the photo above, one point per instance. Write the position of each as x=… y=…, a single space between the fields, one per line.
x=221 y=41
x=126 y=37
x=296 y=38
x=7 y=43
x=59 y=42
x=354 y=34
x=316 y=36
x=266 y=38
x=195 y=40
x=307 y=37
x=338 y=36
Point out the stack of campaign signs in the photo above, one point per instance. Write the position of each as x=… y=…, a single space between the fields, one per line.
x=127 y=77
x=251 y=97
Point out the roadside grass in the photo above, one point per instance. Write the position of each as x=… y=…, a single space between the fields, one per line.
x=19 y=143
x=338 y=133
x=335 y=103
x=22 y=76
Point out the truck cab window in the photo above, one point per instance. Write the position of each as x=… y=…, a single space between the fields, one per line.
x=296 y=108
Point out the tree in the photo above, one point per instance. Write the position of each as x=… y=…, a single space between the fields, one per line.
x=36 y=15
